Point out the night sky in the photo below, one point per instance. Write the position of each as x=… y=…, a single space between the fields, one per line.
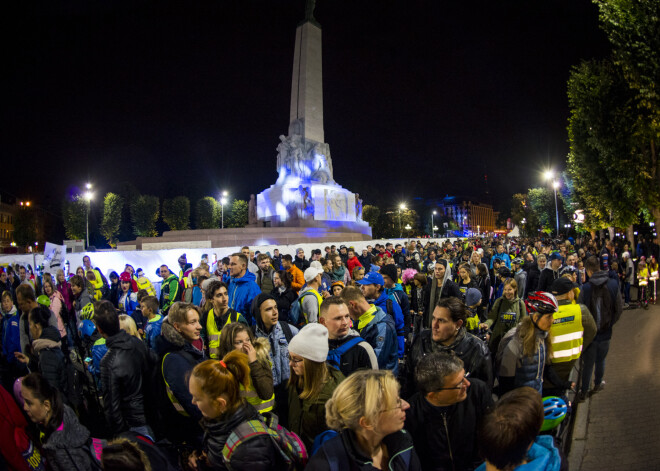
x=421 y=99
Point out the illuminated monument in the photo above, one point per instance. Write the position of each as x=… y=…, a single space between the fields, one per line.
x=306 y=194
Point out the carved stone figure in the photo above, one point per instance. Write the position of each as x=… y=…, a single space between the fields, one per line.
x=252 y=210
x=358 y=207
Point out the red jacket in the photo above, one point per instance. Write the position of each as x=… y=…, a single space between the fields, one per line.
x=352 y=263
x=13 y=439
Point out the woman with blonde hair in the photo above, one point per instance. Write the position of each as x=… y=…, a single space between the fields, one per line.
x=311 y=382
x=127 y=323
x=369 y=415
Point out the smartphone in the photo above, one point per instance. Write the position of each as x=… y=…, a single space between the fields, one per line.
x=88 y=360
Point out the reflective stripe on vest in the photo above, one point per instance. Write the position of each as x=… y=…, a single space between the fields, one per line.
x=319 y=298
x=175 y=402
x=146 y=284
x=214 y=333
x=567 y=332
x=250 y=395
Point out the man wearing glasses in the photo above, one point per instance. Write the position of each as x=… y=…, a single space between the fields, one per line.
x=444 y=413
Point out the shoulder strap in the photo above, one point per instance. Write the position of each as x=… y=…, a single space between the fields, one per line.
x=286 y=328
x=334 y=356
x=335 y=454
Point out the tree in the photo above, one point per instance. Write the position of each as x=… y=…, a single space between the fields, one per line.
x=541 y=202
x=112 y=209
x=207 y=212
x=176 y=213
x=238 y=216
x=74 y=216
x=370 y=214
x=144 y=214
x=25 y=227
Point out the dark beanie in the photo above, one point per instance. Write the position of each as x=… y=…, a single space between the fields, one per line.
x=389 y=270
x=256 y=304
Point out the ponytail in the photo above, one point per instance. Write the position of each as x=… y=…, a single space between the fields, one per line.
x=224 y=377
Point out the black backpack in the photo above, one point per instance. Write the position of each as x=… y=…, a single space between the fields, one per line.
x=601 y=306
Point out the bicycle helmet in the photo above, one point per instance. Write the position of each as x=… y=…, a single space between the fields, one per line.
x=43 y=300
x=568 y=269
x=87 y=311
x=554 y=411
x=86 y=328
x=518 y=261
x=541 y=302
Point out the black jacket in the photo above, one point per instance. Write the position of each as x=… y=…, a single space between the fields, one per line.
x=284 y=301
x=449 y=288
x=257 y=454
x=546 y=278
x=437 y=430
x=472 y=350
x=397 y=444
x=51 y=360
x=123 y=370
x=533 y=274
x=365 y=262
x=68 y=449
x=301 y=263
x=358 y=357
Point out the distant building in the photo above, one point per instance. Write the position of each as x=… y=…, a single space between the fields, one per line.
x=7 y=215
x=470 y=217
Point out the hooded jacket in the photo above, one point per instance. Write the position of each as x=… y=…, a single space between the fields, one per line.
x=449 y=289
x=504 y=316
x=241 y=293
x=542 y=456
x=169 y=292
x=397 y=316
x=446 y=437
x=67 y=449
x=11 y=334
x=601 y=278
x=123 y=370
x=52 y=363
x=81 y=301
x=380 y=333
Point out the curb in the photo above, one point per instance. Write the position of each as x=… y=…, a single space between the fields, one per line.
x=579 y=441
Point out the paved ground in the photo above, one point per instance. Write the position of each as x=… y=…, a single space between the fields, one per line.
x=619 y=428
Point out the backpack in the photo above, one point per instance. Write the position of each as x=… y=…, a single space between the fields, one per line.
x=334 y=356
x=296 y=316
x=321 y=438
x=600 y=305
x=286 y=329
x=291 y=448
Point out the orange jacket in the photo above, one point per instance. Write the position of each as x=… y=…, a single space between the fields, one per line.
x=298 y=278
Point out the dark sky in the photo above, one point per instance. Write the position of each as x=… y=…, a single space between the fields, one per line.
x=421 y=98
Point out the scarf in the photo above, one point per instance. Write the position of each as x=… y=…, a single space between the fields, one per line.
x=438 y=347
x=338 y=273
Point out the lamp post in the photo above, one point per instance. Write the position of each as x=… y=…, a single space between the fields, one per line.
x=432 y=224
x=88 y=197
x=435 y=228
x=402 y=207
x=550 y=175
x=408 y=228
x=223 y=202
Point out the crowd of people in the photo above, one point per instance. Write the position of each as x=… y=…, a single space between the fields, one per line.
x=432 y=356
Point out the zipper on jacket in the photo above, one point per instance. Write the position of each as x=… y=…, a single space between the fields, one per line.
x=451 y=455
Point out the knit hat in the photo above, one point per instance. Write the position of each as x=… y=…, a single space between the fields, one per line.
x=311 y=343
x=256 y=305
x=389 y=270
x=182 y=259
x=472 y=297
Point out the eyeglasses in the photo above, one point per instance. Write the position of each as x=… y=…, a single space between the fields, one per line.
x=295 y=360
x=399 y=405
x=459 y=385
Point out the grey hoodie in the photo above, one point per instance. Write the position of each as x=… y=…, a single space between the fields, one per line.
x=67 y=448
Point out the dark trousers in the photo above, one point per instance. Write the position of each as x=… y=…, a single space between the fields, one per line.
x=594 y=356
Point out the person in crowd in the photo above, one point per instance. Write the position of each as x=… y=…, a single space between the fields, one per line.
x=99 y=282
x=601 y=295
x=283 y=294
x=347 y=350
x=357 y=274
x=465 y=280
x=475 y=261
x=375 y=326
x=128 y=325
x=64 y=440
x=300 y=261
x=11 y=338
x=444 y=413
x=311 y=382
x=352 y=262
x=123 y=371
x=95 y=291
x=250 y=265
x=475 y=310
x=265 y=273
x=58 y=309
x=185 y=268
x=394 y=290
x=297 y=277
x=169 y=291
x=64 y=288
x=628 y=277
x=507 y=312
x=309 y=297
x=127 y=301
x=115 y=288
x=523 y=354
x=144 y=283
x=550 y=274
x=429 y=262
x=365 y=260
x=219 y=316
x=215 y=389
x=149 y=306
x=531 y=267
x=339 y=271
x=509 y=437
x=26 y=302
x=502 y=256
x=260 y=391
x=242 y=287
x=448 y=334
x=279 y=335
x=368 y=414
x=133 y=452
x=519 y=275
x=337 y=287
x=441 y=286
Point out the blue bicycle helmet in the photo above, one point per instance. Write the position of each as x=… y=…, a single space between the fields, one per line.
x=554 y=410
x=87 y=328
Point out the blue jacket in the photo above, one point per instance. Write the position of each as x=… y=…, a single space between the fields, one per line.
x=241 y=293
x=501 y=256
x=403 y=300
x=380 y=333
x=400 y=325
x=99 y=349
x=152 y=330
x=11 y=335
x=543 y=456
x=130 y=303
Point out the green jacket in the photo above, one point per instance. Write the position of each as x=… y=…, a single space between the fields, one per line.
x=169 y=292
x=504 y=316
x=307 y=417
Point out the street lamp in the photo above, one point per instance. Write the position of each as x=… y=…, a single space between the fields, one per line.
x=550 y=175
x=223 y=202
x=408 y=228
x=432 y=224
x=88 y=197
x=435 y=228
x=402 y=207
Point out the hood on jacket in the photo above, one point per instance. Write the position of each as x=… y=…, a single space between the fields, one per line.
x=255 y=308
x=51 y=333
x=170 y=334
x=73 y=434
x=121 y=340
x=249 y=276
x=11 y=312
x=599 y=278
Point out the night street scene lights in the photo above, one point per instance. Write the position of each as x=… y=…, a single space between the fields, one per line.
x=87 y=196
x=433 y=228
x=402 y=207
x=223 y=202
x=550 y=175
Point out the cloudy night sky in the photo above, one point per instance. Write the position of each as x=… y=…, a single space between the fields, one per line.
x=421 y=98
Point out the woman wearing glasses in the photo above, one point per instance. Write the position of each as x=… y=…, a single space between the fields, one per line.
x=369 y=415
x=311 y=383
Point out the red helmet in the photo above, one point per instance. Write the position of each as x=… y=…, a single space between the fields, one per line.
x=541 y=302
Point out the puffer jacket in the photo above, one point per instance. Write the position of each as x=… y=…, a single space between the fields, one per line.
x=473 y=351
x=279 y=348
x=241 y=293
x=257 y=454
x=124 y=369
x=51 y=360
x=11 y=334
x=351 y=458
x=67 y=449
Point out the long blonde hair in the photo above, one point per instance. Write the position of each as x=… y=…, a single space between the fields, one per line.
x=311 y=382
x=127 y=323
x=527 y=332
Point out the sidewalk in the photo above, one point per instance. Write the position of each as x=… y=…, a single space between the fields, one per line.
x=619 y=428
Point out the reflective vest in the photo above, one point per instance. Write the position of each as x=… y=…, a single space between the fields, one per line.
x=319 y=298
x=144 y=283
x=97 y=284
x=250 y=395
x=567 y=332
x=214 y=333
x=175 y=402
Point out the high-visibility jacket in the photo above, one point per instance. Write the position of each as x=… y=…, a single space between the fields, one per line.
x=175 y=402
x=567 y=333
x=250 y=395
x=97 y=284
x=213 y=331
x=144 y=283
x=319 y=298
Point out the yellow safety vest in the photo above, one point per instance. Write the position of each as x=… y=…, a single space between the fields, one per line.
x=319 y=298
x=175 y=402
x=214 y=333
x=250 y=395
x=144 y=283
x=567 y=333
x=97 y=284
